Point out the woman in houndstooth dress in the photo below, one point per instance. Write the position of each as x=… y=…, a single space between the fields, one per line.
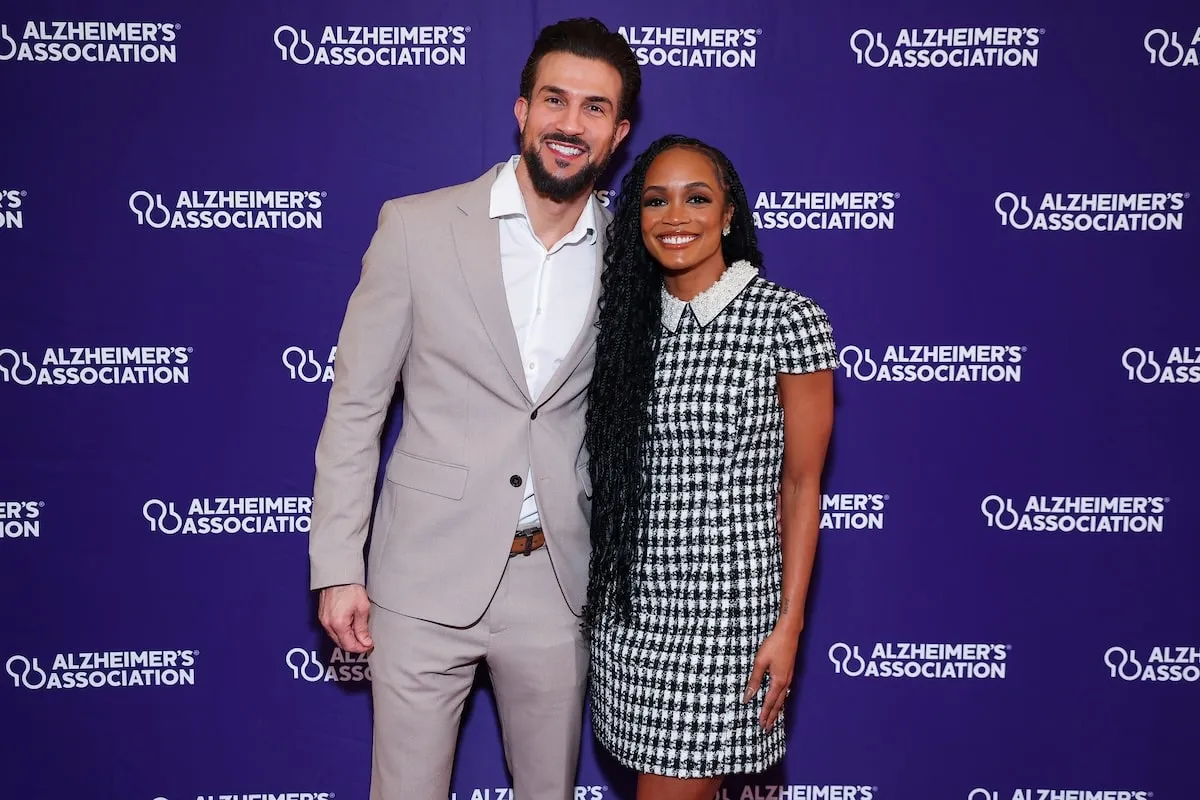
x=709 y=416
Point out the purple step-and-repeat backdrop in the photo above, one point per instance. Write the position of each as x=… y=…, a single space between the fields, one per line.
x=995 y=202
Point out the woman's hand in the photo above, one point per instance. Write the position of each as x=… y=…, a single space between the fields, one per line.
x=775 y=657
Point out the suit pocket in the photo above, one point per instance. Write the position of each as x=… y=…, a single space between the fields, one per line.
x=424 y=475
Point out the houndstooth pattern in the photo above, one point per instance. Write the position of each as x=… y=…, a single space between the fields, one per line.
x=666 y=689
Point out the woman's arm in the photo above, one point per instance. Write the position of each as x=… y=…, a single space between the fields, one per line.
x=807 y=401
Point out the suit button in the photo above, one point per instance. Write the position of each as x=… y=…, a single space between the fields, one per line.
x=515 y=480
x=534 y=414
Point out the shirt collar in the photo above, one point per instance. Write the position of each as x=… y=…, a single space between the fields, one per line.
x=712 y=301
x=507 y=201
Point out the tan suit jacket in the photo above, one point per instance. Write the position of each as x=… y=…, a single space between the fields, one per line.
x=430 y=310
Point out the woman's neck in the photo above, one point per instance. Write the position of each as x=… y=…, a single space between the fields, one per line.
x=687 y=283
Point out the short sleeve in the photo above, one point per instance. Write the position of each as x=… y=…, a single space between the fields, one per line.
x=803 y=339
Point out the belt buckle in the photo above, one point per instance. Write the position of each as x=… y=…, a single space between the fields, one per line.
x=527 y=535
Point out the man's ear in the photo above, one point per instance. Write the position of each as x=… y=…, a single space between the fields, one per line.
x=619 y=134
x=521 y=112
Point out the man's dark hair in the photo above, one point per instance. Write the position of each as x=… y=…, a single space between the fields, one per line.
x=587 y=38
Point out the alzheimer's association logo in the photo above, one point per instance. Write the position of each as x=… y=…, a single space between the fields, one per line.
x=1165 y=664
x=21 y=519
x=103 y=669
x=703 y=48
x=208 y=794
x=1143 y=365
x=88 y=366
x=1032 y=793
x=1096 y=212
x=1077 y=514
x=935 y=363
x=162 y=516
x=303 y=365
x=231 y=515
x=374 y=45
x=25 y=672
x=15 y=367
x=149 y=209
x=12 y=213
x=341 y=667
x=1000 y=46
x=921 y=660
x=1166 y=49
x=224 y=209
x=125 y=42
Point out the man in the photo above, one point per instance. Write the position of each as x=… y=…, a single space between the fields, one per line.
x=482 y=299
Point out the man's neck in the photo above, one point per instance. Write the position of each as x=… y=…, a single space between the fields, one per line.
x=550 y=220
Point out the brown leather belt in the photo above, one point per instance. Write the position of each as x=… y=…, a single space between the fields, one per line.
x=526 y=541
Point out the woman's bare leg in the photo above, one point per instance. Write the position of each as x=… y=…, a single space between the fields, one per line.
x=658 y=787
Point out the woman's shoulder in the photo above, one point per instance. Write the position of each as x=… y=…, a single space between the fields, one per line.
x=782 y=299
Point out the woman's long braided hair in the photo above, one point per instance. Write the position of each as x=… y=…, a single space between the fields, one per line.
x=622 y=386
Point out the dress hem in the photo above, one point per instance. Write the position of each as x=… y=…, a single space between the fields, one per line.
x=743 y=768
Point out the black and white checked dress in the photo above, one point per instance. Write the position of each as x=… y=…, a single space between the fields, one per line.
x=666 y=689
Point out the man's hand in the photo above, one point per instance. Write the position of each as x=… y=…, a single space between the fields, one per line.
x=343 y=611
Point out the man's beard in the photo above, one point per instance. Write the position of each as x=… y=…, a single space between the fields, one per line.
x=561 y=190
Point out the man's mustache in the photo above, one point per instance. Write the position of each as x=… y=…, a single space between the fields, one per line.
x=574 y=141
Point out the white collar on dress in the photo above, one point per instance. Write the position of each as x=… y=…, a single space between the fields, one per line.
x=712 y=301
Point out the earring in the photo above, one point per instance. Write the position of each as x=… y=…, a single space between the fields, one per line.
x=726 y=231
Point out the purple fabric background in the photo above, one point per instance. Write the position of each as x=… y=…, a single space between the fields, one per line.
x=88 y=563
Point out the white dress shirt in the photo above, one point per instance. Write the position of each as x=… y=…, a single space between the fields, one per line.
x=548 y=291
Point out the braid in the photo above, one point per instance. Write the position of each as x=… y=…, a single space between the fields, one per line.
x=622 y=387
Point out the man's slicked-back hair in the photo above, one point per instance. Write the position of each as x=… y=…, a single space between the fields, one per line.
x=587 y=37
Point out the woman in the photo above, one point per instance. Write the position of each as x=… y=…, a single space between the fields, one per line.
x=709 y=415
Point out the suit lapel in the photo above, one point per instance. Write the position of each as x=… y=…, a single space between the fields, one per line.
x=477 y=242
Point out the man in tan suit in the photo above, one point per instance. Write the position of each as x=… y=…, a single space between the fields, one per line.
x=481 y=299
